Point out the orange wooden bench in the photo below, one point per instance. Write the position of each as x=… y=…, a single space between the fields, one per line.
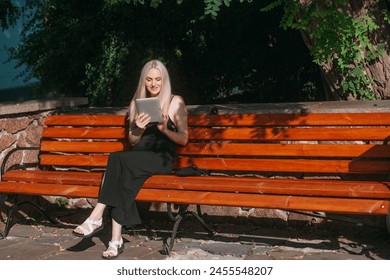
x=335 y=162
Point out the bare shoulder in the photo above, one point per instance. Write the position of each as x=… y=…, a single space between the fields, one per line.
x=177 y=102
x=178 y=99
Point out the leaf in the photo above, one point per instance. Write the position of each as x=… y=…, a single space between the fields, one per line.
x=357 y=72
x=155 y=3
x=271 y=6
x=351 y=85
x=344 y=84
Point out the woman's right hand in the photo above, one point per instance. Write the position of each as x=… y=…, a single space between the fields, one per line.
x=142 y=120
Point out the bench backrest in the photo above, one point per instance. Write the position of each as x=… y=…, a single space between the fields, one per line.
x=336 y=144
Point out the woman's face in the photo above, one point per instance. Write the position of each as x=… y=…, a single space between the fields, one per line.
x=153 y=82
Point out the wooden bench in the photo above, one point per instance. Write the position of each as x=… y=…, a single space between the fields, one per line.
x=336 y=163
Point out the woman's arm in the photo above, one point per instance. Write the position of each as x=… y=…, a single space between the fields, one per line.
x=135 y=134
x=137 y=127
x=178 y=113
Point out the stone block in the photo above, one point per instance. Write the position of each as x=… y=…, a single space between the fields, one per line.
x=14 y=125
x=33 y=135
x=6 y=141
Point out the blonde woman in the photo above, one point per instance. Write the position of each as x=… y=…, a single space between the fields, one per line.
x=153 y=152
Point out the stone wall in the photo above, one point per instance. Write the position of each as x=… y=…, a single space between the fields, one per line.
x=21 y=131
x=21 y=125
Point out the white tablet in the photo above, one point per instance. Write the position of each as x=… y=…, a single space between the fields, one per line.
x=150 y=106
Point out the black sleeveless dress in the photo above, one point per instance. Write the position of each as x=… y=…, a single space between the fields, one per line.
x=128 y=170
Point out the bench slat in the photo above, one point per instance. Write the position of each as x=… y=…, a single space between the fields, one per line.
x=238 y=119
x=243 y=134
x=240 y=164
x=54 y=177
x=83 y=147
x=344 y=205
x=268 y=165
x=315 y=119
x=329 y=188
x=288 y=165
x=87 y=120
x=49 y=189
x=75 y=160
x=225 y=149
x=286 y=150
x=291 y=134
x=85 y=133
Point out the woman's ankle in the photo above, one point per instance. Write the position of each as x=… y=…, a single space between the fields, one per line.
x=95 y=218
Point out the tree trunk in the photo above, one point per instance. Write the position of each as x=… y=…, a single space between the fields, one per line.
x=330 y=76
x=377 y=71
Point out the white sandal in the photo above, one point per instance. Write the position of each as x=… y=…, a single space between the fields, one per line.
x=115 y=248
x=93 y=227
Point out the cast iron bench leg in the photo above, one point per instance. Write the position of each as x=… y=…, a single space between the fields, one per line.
x=178 y=218
x=8 y=224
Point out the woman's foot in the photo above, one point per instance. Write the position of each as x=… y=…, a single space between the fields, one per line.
x=115 y=248
x=88 y=228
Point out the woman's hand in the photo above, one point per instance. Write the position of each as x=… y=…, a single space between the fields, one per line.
x=163 y=127
x=142 y=120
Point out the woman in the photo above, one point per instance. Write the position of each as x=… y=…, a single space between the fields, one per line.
x=152 y=153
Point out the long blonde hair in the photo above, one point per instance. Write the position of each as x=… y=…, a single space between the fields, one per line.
x=141 y=92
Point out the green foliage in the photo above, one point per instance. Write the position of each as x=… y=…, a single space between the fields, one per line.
x=58 y=38
x=339 y=38
x=153 y=3
x=101 y=77
x=69 y=109
x=88 y=48
x=272 y=5
x=96 y=48
x=212 y=7
x=386 y=15
x=9 y=13
x=61 y=202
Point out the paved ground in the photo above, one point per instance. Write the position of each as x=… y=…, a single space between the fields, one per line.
x=325 y=241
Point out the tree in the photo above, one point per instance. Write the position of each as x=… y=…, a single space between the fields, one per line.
x=9 y=13
x=92 y=48
x=97 y=42
x=348 y=39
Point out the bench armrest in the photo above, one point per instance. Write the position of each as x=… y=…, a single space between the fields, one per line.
x=9 y=154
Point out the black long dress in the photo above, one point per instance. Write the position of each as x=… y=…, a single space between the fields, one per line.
x=128 y=170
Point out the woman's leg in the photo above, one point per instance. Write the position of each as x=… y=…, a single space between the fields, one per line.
x=93 y=222
x=98 y=211
x=115 y=246
x=116 y=231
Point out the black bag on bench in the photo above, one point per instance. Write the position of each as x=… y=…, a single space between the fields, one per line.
x=192 y=170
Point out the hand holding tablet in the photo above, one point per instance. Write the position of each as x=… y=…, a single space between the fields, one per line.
x=150 y=106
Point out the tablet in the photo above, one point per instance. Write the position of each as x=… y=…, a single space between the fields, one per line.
x=150 y=106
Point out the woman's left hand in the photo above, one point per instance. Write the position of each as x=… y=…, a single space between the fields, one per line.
x=163 y=127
